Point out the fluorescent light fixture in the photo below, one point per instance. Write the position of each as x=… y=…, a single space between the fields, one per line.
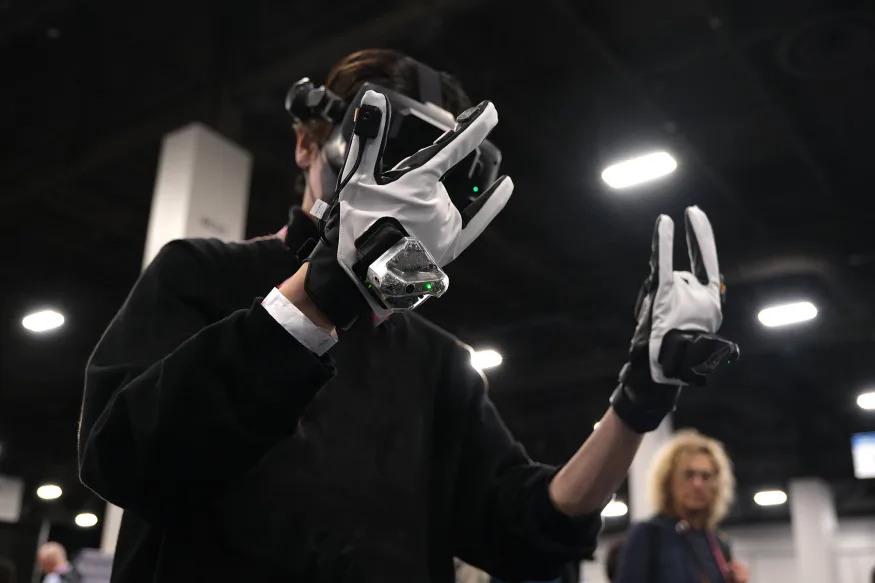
x=867 y=401
x=614 y=509
x=863 y=453
x=787 y=314
x=49 y=492
x=43 y=321
x=86 y=520
x=770 y=497
x=482 y=359
x=638 y=170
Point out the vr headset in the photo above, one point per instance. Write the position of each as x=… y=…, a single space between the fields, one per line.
x=414 y=125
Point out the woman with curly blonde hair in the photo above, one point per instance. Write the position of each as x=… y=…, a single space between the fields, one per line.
x=691 y=488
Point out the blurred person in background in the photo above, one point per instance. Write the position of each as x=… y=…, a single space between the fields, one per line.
x=52 y=559
x=241 y=449
x=7 y=571
x=691 y=487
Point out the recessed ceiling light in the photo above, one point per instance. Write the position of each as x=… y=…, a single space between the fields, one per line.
x=786 y=314
x=638 y=170
x=866 y=401
x=43 y=321
x=614 y=509
x=863 y=453
x=770 y=497
x=482 y=359
x=86 y=520
x=49 y=492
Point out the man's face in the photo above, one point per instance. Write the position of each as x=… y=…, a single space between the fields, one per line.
x=309 y=158
x=694 y=483
x=314 y=175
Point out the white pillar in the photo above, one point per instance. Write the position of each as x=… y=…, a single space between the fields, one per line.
x=112 y=523
x=639 y=501
x=201 y=190
x=813 y=516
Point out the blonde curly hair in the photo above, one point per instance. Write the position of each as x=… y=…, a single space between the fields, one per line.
x=683 y=445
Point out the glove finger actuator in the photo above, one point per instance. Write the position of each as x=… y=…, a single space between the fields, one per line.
x=396 y=230
x=678 y=312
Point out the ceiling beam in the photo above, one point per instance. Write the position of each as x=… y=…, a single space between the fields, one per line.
x=776 y=111
x=601 y=49
x=23 y=19
x=384 y=28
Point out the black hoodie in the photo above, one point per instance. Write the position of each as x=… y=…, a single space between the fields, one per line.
x=238 y=455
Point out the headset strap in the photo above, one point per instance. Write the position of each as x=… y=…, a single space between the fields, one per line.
x=429 y=84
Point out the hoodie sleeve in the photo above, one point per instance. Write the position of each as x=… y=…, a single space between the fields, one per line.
x=504 y=520
x=177 y=402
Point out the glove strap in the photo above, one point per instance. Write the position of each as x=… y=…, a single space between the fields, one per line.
x=693 y=357
x=331 y=289
x=638 y=401
x=639 y=416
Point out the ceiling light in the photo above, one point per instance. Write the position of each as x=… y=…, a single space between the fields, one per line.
x=786 y=314
x=614 y=509
x=867 y=401
x=86 y=520
x=595 y=425
x=770 y=497
x=43 y=321
x=49 y=492
x=863 y=453
x=482 y=359
x=639 y=170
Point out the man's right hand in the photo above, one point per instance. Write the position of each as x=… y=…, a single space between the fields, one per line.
x=408 y=201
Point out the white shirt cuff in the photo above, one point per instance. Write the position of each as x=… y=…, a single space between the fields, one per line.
x=317 y=339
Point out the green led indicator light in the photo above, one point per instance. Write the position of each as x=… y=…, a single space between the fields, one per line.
x=476 y=189
x=428 y=286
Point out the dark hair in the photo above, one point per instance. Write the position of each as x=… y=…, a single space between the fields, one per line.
x=391 y=69
x=7 y=571
x=388 y=68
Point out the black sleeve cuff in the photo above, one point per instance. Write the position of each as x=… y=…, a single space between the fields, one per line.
x=286 y=375
x=579 y=534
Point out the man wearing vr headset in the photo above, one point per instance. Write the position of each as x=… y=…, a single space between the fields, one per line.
x=325 y=432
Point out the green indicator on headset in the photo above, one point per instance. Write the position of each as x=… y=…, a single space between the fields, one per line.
x=476 y=189
x=428 y=286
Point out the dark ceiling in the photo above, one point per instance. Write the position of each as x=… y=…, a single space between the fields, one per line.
x=767 y=105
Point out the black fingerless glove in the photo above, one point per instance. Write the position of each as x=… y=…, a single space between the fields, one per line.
x=326 y=283
x=638 y=400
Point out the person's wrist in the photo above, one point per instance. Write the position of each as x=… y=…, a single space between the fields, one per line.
x=293 y=290
x=640 y=402
x=641 y=417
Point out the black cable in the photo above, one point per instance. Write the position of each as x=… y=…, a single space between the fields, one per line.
x=336 y=196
